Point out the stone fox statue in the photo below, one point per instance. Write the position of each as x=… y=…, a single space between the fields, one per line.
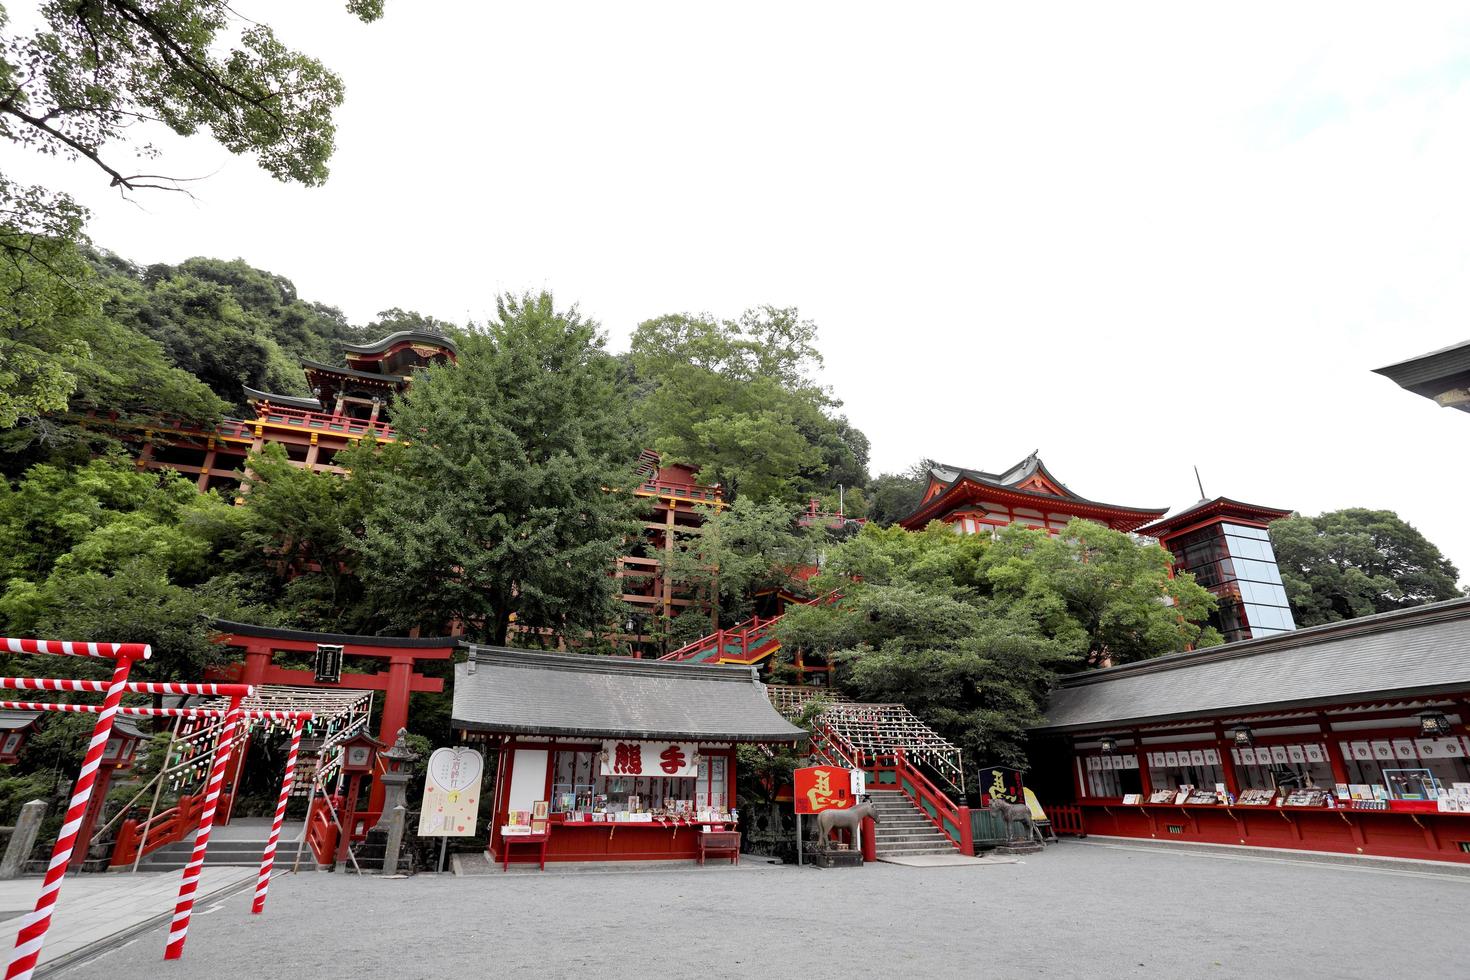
x=1017 y=813
x=849 y=819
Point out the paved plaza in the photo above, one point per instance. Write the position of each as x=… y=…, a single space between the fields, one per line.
x=1081 y=909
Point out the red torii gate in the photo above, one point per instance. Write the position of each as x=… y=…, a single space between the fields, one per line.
x=397 y=682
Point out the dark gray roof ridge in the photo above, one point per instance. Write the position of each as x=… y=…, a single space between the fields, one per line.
x=1449 y=609
x=294 y=401
x=307 y=362
x=622 y=666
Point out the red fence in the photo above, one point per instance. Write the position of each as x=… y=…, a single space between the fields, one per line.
x=1066 y=819
x=168 y=827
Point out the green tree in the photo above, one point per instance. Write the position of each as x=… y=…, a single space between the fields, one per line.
x=1356 y=562
x=106 y=551
x=305 y=530
x=511 y=499
x=970 y=633
x=79 y=86
x=894 y=496
x=1097 y=591
x=914 y=626
x=752 y=547
x=737 y=399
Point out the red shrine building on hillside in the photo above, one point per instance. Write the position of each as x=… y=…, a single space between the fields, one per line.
x=347 y=404
x=1223 y=543
x=353 y=401
x=973 y=501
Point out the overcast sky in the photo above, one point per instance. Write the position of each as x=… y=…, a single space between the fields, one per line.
x=1137 y=239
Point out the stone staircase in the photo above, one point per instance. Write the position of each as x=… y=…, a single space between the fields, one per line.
x=236 y=846
x=904 y=830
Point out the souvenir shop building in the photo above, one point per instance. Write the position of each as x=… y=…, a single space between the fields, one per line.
x=629 y=759
x=1350 y=737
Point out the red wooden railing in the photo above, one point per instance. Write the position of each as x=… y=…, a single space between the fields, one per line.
x=307 y=419
x=683 y=491
x=952 y=819
x=321 y=832
x=168 y=827
x=754 y=634
x=1066 y=819
x=321 y=829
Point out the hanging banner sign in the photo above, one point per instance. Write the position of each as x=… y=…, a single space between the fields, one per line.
x=818 y=788
x=667 y=760
x=328 y=663
x=451 y=793
x=1004 y=783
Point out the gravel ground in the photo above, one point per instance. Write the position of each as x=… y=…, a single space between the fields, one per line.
x=1078 y=910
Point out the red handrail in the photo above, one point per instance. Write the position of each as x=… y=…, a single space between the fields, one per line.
x=684 y=491
x=926 y=791
x=308 y=419
x=746 y=628
x=168 y=827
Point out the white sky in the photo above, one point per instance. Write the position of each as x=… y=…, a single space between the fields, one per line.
x=1137 y=238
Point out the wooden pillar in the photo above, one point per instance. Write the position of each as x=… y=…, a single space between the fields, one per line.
x=1227 y=762
x=395 y=713
x=257 y=659
x=208 y=467
x=313 y=451
x=1145 y=782
x=93 y=811
x=349 y=815
x=1334 y=752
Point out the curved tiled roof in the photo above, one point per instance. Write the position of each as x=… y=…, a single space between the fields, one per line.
x=290 y=401
x=956 y=476
x=412 y=336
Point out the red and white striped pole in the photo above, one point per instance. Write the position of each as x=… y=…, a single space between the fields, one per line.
x=133 y=687
x=33 y=929
x=179 y=929
x=268 y=856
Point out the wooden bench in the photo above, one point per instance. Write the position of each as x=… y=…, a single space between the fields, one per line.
x=720 y=842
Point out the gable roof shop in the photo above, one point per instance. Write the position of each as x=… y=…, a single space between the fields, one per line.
x=574 y=695
x=1407 y=653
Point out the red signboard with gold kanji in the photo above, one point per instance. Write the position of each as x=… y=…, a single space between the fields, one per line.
x=821 y=788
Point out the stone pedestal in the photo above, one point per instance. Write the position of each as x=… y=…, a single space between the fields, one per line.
x=836 y=859
x=1020 y=847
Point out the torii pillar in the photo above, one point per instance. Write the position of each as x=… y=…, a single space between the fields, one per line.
x=400 y=655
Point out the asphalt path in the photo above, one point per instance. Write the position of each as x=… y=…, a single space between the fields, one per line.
x=1079 y=910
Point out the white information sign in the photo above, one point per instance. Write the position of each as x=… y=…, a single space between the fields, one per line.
x=451 y=793
x=667 y=760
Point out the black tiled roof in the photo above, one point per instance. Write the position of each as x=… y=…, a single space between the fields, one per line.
x=1412 y=652
x=582 y=696
x=1433 y=373
x=290 y=401
x=383 y=343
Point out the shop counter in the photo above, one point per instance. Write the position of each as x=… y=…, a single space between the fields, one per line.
x=1403 y=832
x=628 y=841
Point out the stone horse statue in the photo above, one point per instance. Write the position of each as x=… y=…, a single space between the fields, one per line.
x=849 y=819
x=1017 y=814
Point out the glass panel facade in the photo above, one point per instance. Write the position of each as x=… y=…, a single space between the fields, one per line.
x=1237 y=563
